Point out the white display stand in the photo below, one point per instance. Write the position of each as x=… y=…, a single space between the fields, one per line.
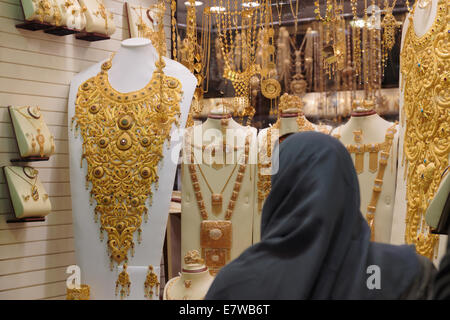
x=374 y=131
x=243 y=215
x=98 y=18
x=71 y=15
x=423 y=20
x=132 y=69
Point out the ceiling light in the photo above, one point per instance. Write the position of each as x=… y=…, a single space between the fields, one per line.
x=196 y=4
x=251 y=4
x=217 y=9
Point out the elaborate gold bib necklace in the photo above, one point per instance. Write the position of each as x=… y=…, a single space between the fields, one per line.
x=123 y=139
x=425 y=68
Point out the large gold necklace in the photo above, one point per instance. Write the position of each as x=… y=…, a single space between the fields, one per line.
x=216 y=235
x=123 y=139
x=425 y=69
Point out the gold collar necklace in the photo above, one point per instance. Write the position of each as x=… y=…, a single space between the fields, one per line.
x=123 y=143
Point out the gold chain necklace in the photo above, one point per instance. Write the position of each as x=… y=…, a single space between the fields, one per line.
x=425 y=66
x=123 y=143
x=34 y=192
x=216 y=235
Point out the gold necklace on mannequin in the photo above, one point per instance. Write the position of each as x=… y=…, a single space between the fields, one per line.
x=123 y=143
x=216 y=235
x=424 y=65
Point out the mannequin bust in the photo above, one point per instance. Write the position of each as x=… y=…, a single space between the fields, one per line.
x=72 y=16
x=426 y=25
x=218 y=188
x=192 y=283
x=98 y=18
x=367 y=128
x=292 y=119
x=131 y=69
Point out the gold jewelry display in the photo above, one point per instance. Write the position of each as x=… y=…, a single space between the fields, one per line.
x=103 y=13
x=378 y=183
x=390 y=25
x=123 y=283
x=146 y=31
x=82 y=293
x=34 y=117
x=425 y=69
x=151 y=281
x=238 y=28
x=375 y=165
x=216 y=235
x=123 y=143
x=44 y=9
x=32 y=174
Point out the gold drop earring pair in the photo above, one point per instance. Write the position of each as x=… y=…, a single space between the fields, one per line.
x=151 y=282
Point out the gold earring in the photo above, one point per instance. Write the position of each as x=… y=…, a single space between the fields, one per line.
x=151 y=282
x=124 y=281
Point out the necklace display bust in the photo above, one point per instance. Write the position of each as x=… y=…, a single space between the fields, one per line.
x=192 y=283
x=423 y=114
x=218 y=188
x=366 y=135
x=131 y=69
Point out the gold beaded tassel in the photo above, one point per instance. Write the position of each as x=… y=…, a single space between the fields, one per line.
x=123 y=283
x=151 y=281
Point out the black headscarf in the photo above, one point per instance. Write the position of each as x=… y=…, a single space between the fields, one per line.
x=315 y=244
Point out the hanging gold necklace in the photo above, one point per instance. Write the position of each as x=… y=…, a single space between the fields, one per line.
x=425 y=73
x=123 y=143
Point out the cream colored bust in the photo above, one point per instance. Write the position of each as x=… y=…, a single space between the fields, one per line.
x=139 y=20
x=28 y=195
x=98 y=18
x=217 y=181
x=423 y=19
x=72 y=15
x=39 y=10
x=32 y=134
x=366 y=127
x=192 y=283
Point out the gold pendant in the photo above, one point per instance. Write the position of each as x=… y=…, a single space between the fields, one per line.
x=215 y=241
x=123 y=281
x=216 y=199
x=34 y=193
x=151 y=282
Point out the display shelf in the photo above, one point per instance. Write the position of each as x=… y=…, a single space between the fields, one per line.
x=91 y=36
x=34 y=25
x=29 y=159
x=61 y=31
x=23 y=220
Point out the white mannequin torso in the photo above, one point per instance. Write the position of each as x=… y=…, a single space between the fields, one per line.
x=242 y=218
x=374 y=131
x=132 y=69
x=423 y=20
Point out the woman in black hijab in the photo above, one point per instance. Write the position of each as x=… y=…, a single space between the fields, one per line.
x=315 y=244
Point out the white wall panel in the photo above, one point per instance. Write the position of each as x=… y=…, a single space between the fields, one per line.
x=36 y=69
